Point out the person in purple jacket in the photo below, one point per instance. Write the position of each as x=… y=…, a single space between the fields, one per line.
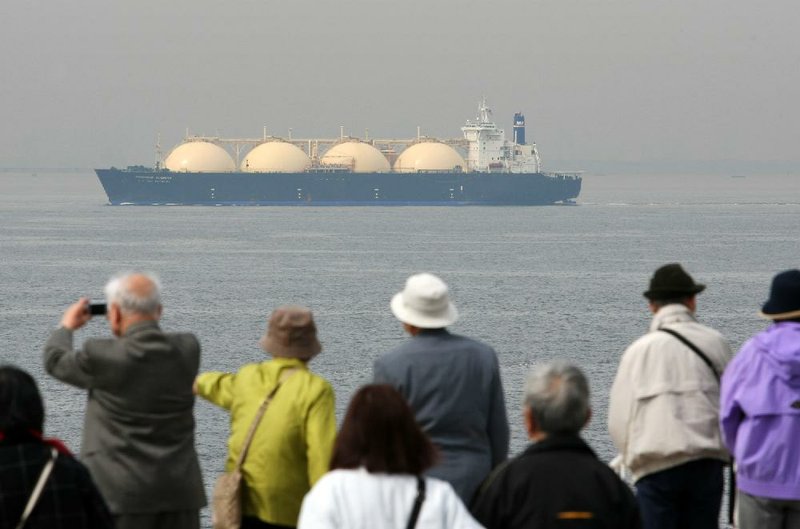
x=760 y=413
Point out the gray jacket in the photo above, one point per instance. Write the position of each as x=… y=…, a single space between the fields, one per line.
x=138 y=435
x=453 y=385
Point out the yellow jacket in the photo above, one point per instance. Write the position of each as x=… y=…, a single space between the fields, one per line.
x=292 y=446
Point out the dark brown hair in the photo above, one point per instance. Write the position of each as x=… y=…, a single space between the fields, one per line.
x=21 y=406
x=380 y=433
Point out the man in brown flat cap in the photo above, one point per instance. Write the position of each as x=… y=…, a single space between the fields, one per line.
x=664 y=409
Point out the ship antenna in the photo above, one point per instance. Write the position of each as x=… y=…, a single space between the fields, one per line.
x=159 y=154
x=485 y=113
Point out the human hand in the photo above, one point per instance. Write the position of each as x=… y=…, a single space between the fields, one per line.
x=76 y=315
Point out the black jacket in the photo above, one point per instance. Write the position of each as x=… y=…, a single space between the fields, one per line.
x=69 y=499
x=556 y=483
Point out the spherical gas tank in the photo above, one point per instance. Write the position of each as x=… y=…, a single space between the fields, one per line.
x=276 y=157
x=429 y=156
x=359 y=156
x=201 y=157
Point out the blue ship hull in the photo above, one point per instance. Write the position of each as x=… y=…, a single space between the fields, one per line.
x=142 y=186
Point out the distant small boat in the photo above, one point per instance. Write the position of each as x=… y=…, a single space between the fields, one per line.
x=738 y=176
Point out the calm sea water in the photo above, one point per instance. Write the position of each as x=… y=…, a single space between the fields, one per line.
x=536 y=283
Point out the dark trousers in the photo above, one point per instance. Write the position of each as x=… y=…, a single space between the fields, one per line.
x=251 y=522
x=159 y=520
x=684 y=497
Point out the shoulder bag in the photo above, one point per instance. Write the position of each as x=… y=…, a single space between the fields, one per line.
x=38 y=488
x=227 y=497
x=694 y=348
x=412 y=521
x=731 y=470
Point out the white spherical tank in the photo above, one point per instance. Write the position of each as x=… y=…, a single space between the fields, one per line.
x=276 y=157
x=429 y=156
x=361 y=157
x=201 y=157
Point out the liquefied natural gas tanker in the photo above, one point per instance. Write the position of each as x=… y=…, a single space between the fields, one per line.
x=482 y=168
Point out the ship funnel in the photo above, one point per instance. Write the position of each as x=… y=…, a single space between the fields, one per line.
x=519 y=129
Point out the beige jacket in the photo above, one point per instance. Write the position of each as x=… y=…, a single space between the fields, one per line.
x=664 y=405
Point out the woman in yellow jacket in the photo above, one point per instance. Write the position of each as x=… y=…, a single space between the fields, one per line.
x=292 y=445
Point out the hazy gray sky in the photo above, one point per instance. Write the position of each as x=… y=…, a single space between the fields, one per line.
x=91 y=83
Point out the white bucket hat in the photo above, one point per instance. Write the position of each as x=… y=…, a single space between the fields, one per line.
x=424 y=303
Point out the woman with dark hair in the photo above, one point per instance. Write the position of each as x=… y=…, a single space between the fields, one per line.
x=376 y=472
x=69 y=497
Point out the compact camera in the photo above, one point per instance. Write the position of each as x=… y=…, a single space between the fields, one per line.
x=97 y=308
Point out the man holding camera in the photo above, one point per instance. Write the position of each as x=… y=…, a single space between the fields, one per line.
x=138 y=437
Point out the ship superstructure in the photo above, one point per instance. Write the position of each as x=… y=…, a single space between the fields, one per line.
x=489 y=151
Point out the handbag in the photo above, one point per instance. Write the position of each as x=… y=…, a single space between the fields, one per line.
x=227 y=496
x=38 y=488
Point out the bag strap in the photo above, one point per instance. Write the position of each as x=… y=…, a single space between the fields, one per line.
x=731 y=470
x=38 y=488
x=259 y=414
x=694 y=348
x=412 y=521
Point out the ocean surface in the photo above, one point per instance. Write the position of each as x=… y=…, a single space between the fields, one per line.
x=536 y=283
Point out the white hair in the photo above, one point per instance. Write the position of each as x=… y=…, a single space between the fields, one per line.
x=118 y=291
x=557 y=394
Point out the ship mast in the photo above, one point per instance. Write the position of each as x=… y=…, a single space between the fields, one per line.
x=159 y=153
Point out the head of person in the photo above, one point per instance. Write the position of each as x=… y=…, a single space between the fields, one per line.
x=291 y=333
x=784 y=297
x=556 y=400
x=380 y=433
x=671 y=284
x=424 y=303
x=21 y=408
x=132 y=298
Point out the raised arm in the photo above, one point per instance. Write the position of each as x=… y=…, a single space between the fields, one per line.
x=215 y=387
x=60 y=360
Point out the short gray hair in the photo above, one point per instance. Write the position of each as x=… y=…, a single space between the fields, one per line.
x=118 y=291
x=557 y=394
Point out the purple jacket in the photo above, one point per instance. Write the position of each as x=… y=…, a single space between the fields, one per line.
x=760 y=412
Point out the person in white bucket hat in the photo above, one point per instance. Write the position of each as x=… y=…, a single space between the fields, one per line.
x=424 y=303
x=451 y=382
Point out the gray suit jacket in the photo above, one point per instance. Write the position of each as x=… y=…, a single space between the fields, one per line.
x=453 y=385
x=138 y=435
